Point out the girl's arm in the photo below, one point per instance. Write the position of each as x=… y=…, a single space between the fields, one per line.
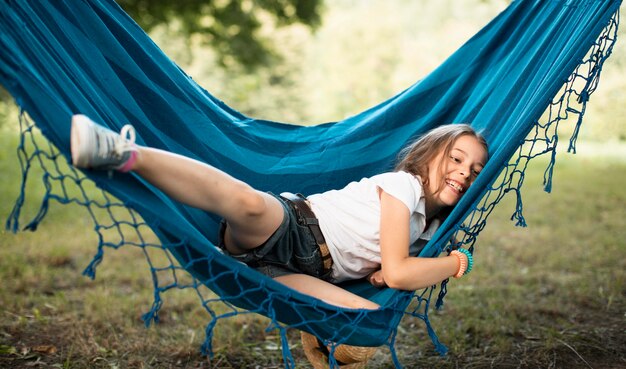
x=400 y=270
x=376 y=279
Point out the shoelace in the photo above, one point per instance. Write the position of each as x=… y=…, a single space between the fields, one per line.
x=128 y=134
x=119 y=144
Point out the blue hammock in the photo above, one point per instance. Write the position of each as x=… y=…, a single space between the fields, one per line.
x=533 y=66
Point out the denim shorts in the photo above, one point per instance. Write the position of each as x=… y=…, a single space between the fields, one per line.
x=292 y=249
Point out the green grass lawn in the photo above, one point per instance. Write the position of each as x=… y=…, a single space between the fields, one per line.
x=551 y=295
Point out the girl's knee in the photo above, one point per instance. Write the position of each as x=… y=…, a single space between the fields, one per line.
x=251 y=202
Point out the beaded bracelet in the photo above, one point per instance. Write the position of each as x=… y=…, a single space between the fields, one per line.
x=465 y=263
x=462 y=263
x=470 y=260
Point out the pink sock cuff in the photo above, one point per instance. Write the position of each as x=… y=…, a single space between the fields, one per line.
x=129 y=163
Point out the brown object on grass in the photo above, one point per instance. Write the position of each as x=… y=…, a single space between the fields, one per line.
x=348 y=357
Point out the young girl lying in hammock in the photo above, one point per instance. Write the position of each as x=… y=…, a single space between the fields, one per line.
x=364 y=230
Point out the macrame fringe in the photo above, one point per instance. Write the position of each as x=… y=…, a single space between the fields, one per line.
x=153 y=315
x=392 y=349
x=207 y=346
x=332 y=361
x=13 y=221
x=442 y=293
x=593 y=78
x=439 y=347
x=90 y=270
x=43 y=210
x=549 y=172
x=288 y=359
x=519 y=207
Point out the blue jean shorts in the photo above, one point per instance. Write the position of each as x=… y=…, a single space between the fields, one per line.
x=292 y=249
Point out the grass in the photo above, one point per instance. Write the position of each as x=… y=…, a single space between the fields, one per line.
x=551 y=295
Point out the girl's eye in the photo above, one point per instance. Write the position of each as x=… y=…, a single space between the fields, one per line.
x=455 y=159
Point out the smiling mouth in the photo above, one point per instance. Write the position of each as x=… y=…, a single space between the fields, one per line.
x=455 y=185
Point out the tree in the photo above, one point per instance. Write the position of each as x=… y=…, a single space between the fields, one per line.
x=230 y=27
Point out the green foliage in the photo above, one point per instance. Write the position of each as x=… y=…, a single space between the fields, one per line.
x=358 y=54
x=361 y=54
x=231 y=27
x=5 y=97
x=365 y=52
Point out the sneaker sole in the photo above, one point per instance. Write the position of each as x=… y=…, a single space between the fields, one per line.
x=80 y=140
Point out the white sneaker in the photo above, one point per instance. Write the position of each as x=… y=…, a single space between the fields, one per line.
x=97 y=147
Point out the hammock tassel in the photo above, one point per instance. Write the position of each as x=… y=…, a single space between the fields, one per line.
x=439 y=347
x=392 y=349
x=12 y=223
x=442 y=293
x=43 y=210
x=287 y=356
x=332 y=361
x=521 y=222
x=207 y=346
x=153 y=314
x=547 y=176
x=90 y=270
x=572 y=141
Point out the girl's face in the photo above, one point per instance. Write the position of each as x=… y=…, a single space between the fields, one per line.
x=449 y=177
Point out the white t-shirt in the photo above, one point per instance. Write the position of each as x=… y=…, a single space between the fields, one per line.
x=350 y=221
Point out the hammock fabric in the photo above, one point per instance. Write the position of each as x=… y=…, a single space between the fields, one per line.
x=533 y=66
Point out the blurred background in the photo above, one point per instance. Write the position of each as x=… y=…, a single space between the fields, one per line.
x=338 y=58
x=310 y=61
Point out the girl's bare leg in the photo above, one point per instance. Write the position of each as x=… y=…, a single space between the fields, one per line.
x=325 y=291
x=252 y=215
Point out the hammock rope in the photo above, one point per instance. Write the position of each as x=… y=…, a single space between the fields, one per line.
x=181 y=257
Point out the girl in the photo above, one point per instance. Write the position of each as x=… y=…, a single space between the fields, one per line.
x=364 y=229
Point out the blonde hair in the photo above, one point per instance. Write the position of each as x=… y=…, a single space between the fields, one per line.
x=416 y=157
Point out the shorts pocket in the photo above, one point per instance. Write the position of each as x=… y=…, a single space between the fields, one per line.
x=307 y=255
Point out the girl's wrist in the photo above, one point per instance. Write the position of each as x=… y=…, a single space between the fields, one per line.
x=465 y=262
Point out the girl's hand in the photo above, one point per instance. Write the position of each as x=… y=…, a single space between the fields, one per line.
x=376 y=279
